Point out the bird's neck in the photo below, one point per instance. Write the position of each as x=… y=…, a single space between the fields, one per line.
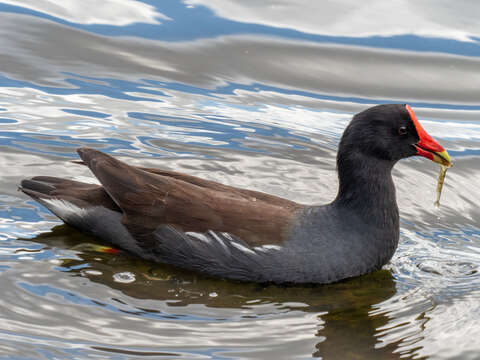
x=366 y=188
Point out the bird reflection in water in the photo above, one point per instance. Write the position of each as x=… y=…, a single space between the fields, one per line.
x=345 y=324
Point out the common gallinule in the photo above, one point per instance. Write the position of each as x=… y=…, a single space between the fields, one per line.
x=201 y=225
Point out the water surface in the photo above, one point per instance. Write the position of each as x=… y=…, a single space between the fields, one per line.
x=251 y=94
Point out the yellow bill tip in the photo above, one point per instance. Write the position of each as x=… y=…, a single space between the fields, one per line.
x=442 y=158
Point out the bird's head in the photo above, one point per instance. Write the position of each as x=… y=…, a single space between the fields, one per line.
x=391 y=132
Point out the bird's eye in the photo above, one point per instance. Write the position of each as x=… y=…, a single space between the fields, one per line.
x=402 y=130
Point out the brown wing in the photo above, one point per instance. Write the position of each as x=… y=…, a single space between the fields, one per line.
x=151 y=197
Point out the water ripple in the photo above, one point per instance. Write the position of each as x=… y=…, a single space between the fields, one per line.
x=253 y=97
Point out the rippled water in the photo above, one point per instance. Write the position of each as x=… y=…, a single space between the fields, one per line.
x=252 y=94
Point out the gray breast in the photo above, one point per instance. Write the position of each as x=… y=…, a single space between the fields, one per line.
x=332 y=244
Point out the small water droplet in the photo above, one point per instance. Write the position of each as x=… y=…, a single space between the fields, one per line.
x=124 y=277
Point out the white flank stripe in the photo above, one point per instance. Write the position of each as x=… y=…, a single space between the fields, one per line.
x=266 y=248
x=272 y=247
x=198 y=236
x=64 y=208
x=243 y=248
x=216 y=237
x=228 y=236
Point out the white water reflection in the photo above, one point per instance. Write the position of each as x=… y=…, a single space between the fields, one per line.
x=92 y=316
x=442 y=19
x=424 y=327
x=247 y=109
x=336 y=70
x=105 y=12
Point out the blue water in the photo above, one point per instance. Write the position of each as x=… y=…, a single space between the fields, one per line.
x=255 y=95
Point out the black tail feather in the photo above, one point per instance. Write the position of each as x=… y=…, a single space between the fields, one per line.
x=37 y=186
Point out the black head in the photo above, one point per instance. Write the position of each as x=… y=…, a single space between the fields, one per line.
x=383 y=132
